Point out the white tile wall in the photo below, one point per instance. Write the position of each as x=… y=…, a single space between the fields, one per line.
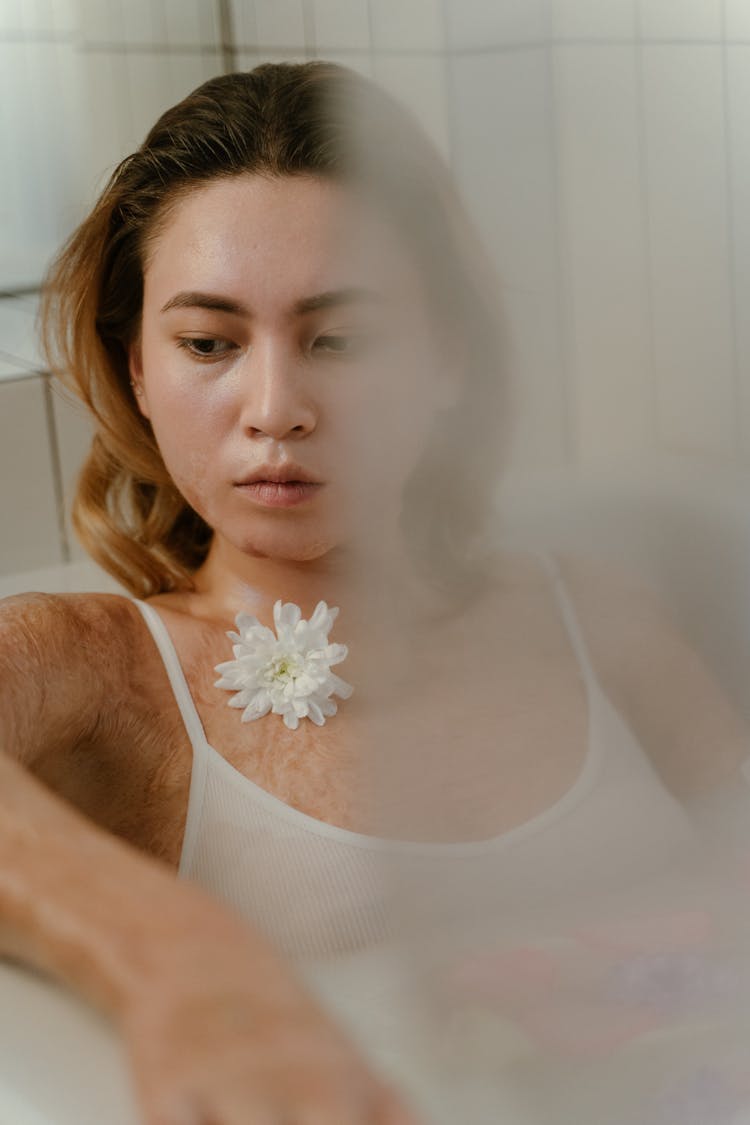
x=680 y=19
x=39 y=182
x=156 y=81
x=244 y=29
x=78 y=92
x=109 y=126
x=149 y=93
x=62 y=16
x=143 y=21
x=275 y=24
x=74 y=431
x=593 y=19
x=604 y=248
x=101 y=21
x=407 y=25
x=418 y=81
x=246 y=60
x=280 y=23
x=475 y=24
x=738 y=114
x=502 y=127
x=689 y=243
x=191 y=23
x=18 y=333
x=602 y=146
x=504 y=158
x=361 y=61
x=29 y=534
x=737 y=19
x=341 y=24
x=17 y=17
x=188 y=71
x=11 y=370
x=81 y=576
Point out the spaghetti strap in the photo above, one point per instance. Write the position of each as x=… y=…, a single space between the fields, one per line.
x=570 y=618
x=193 y=726
x=176 y=675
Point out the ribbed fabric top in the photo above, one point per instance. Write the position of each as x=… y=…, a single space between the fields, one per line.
x=319 y=891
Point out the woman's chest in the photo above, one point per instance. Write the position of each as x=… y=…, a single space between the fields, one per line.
x=463 y=734
x=465 y=753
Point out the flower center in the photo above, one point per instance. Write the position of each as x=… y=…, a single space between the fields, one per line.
x=283 y=668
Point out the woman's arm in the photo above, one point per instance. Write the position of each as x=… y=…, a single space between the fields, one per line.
x=215 y=1024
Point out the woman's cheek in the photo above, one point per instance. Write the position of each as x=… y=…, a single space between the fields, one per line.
x=190 y=469
x=189 y=448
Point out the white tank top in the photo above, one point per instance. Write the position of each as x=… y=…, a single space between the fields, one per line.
x=319 y=891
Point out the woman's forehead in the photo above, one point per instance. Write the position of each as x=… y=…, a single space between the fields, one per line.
x=287 y=235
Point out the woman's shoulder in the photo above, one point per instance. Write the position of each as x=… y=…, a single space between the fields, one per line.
x=71 y=634
x=658 y=678
x=646 y=665
x=49 y=616
x=68 y=663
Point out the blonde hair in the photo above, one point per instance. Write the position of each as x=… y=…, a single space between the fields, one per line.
x=279 y=119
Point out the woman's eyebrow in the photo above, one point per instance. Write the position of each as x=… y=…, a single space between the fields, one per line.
x=353 y=294
x=194 y=300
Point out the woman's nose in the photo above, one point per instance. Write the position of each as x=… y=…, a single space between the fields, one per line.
x=276 y=396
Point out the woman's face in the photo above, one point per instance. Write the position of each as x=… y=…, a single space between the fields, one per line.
x=285 y=324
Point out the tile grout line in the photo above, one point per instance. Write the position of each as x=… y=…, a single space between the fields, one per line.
x=371 y=37
x=227 y=47
x=739 y=412
x=646 y=234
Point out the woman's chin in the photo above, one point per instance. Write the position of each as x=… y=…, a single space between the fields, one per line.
x=287 y=548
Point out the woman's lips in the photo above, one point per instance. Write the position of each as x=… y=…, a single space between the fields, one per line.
x=274 y=494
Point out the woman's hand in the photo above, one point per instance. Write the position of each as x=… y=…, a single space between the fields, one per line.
x=219 y=1032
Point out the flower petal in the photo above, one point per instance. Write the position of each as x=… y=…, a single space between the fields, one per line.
x=341 y=687
x=334 y=654
x=321 y=618
x=287 y=672
x=305 y=684
x=314 y=712
x=286 y=613
x=259 y=707
x=239 y=700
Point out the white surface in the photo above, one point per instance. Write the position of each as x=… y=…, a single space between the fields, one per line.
x=18 y=343
x=61 y=1063
x=11 y=370
x=29 y=529
x=72 y=578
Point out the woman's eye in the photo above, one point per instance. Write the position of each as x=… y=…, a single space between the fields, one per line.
x=342 y=345
x=205 y=347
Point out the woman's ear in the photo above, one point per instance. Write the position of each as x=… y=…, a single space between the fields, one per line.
x=135 y=367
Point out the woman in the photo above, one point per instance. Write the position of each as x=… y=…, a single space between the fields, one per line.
x=284 y=331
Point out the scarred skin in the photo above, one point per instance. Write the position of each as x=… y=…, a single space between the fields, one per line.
x=214 y=1022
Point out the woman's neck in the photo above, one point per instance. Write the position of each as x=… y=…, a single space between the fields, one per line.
x=372 y=590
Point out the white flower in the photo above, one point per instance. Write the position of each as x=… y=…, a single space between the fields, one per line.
x=288 y=673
